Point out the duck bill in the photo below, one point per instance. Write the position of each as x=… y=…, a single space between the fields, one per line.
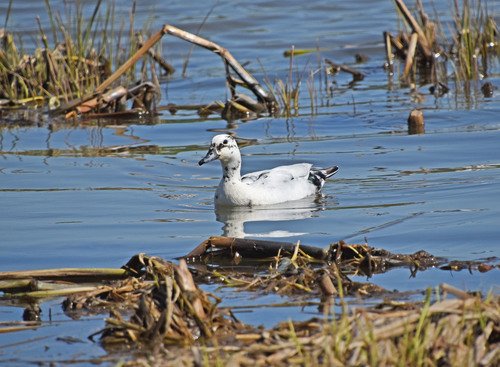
x=211 y=156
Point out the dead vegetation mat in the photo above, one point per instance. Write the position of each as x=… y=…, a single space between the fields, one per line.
x=159 y=315
x=450 y=332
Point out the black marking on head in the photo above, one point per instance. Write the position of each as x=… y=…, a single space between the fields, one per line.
x=226 y=169
x=224 y=142
x=234 y=168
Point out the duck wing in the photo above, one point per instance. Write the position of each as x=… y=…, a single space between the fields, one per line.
x=278 y=175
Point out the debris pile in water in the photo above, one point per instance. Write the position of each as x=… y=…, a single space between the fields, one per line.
x=159 y=315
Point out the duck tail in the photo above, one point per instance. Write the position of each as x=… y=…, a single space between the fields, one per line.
x=318 y=176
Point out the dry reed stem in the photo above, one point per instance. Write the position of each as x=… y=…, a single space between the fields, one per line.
x=410 y=55
x=88 y=102
x=249 y=80
x=53 y=293
x=131 y=61
x=12 y=329
x=65 y=273
x=416 y=28
x=388 y=51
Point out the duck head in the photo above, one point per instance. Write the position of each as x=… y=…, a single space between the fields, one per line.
x=224 y=148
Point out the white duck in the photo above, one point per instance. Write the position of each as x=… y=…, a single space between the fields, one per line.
x=277 y=185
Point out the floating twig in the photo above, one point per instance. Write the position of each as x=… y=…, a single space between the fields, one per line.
x=356 y=75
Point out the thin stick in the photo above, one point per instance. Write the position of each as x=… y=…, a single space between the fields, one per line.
x=7 y=16
x=11 y=329
x=357 y=75
x=186 y=61
x=169 y=69
x=455 y=291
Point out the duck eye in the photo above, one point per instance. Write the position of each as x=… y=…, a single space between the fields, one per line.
x=224 y=142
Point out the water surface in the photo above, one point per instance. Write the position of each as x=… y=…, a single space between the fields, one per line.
x=65 y=204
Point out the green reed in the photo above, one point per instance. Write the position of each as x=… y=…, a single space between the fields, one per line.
x=474 y=39
x=72 y=57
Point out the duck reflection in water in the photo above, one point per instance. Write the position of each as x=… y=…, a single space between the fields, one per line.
x=274 y=218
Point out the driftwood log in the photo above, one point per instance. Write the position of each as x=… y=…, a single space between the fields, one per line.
x=249 y=248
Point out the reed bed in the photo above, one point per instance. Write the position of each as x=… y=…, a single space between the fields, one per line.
x=78 y=60
x=71 y=69
x=429 y=47
x=457 y=49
